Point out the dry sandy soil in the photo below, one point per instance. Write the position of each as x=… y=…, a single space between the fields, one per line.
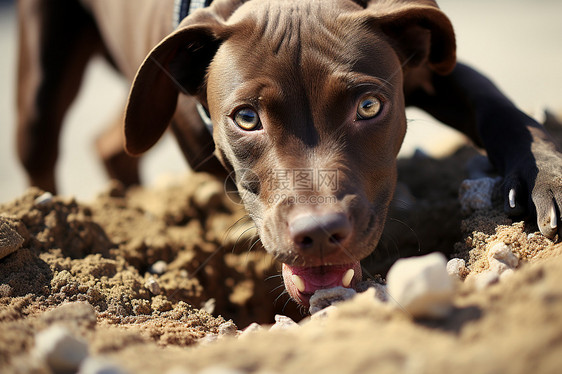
x=150 y=280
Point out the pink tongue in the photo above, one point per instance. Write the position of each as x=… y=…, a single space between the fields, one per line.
x=316 y=278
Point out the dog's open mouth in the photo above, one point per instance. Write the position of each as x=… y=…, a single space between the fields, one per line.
x=302 y=281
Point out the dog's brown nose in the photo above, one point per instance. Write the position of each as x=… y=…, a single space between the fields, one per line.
x=322 y=232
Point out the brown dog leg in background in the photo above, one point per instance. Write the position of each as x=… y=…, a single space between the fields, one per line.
x=118 y=164
x=57 y=39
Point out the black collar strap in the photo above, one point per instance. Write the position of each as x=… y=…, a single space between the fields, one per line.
x=183 y=8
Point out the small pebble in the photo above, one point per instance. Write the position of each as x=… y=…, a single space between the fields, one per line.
x=323 y=313
x=209 y=338
x=501 y=257
x=283 y=323
x=506 y=274
x=421 y=286
x=252 y=328
x=209 y=305
x=476 y=194
x=324 y=298
x=456 y=268
x=60 y=349
x=98 y=365
x=152 y=285
x=10 y=239
x=159 y=267
x=44 y=199
x=228 y=329
x=485 y=279
x=381 y=294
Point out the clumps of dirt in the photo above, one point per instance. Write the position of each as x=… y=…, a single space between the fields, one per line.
x=104 y=254
x=138 y=277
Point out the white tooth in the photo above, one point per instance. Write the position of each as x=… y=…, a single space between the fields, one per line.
x=553 y=220
x=512 y=198
x=298 y=282
x=347 y=278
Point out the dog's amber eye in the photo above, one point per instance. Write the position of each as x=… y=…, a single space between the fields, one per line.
x=247 y=119
x=368 y=107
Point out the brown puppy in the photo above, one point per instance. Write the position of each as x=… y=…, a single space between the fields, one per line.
x=307 y=103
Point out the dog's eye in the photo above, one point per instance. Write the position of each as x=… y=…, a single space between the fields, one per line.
x=368 y=107
x=247 y=119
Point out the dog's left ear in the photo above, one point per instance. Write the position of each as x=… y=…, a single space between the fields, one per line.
x=177 y=65
x=419 y=32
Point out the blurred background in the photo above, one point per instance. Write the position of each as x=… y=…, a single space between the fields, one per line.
x=517 y=43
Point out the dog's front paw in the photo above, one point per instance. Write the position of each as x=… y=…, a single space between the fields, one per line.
x=534 y=187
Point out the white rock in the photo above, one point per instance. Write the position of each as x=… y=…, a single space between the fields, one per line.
x=476 y=194
x=456 y=267
x=44 y=199
x=228 y=329
x=159 y=267
x=421 y=286
x=380 y=291
x=506 y=274
x=98 y=365
x=324 y=298
x=60 y=349
x=323 y=313
x=485 y=279
x=152 y=285
x=209 y=305
x=283 y=323
x=252 y=328
x=501 y=257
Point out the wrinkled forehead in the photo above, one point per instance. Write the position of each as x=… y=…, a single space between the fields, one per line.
x=302 y=42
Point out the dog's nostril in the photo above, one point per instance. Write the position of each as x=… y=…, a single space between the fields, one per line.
x=306 y=242
x=320 y=231
x=336 y=238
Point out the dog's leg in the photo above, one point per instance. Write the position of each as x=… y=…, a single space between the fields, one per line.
x=118 y=163
x=519 y=147
x=56 y=41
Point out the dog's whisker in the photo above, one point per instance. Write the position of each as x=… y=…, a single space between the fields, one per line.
x=240 y=236
x=409 y=228
x=204 y=263
x=228 y=232
x=250 y=249
x=258 y=240
x=285 y=305
x=276 y=288
x=278 y=297
x=273 y=277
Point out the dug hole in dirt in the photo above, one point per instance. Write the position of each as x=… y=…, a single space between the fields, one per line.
x=161 y=279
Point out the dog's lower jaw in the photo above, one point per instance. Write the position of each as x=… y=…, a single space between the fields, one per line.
x=301 y=282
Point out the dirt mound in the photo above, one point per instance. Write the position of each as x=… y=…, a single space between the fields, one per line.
x=147 y=279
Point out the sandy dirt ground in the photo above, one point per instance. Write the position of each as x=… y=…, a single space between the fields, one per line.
x=164 y=278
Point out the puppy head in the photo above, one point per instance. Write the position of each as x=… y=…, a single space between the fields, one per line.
x=307 y=105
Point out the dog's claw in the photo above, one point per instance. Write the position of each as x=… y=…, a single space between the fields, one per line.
x=512 y=198
x=553 y=217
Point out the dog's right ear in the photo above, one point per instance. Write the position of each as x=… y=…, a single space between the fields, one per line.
x=178 y=64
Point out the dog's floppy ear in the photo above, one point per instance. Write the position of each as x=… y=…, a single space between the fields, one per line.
x=177 y=64
x=418 y=30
